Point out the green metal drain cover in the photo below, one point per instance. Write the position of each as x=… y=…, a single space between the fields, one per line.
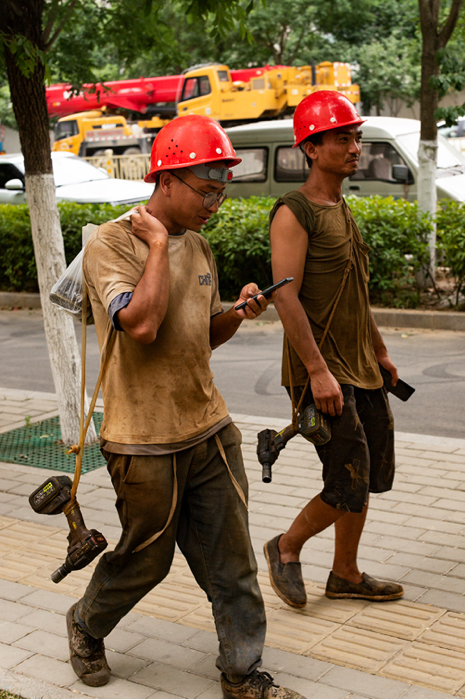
x=39 y=445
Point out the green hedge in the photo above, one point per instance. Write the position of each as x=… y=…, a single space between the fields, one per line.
x=238 y=236
x=451 y=242
x=18 y=270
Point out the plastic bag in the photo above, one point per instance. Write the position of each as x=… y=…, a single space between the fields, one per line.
x=66 y=293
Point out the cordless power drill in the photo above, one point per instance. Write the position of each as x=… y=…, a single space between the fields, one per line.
x=53 y=497
x=312 y=425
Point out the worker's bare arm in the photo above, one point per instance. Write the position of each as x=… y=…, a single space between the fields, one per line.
x=142 y=317
x=224 y=325
x=289 y=243
x=381 y=352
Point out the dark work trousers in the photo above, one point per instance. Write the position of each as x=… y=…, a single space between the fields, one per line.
x=210 y=526
x=359 y=457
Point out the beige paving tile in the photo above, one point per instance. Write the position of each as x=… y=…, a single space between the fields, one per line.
x=447 y=632
x=338 y=611
x=15 y=570
x=170 y=602
x=41 y=667
x=400 y=619
x=358 y=648
x=6 y=521
x=430 y=666
x=200 y=618
x=294 y=631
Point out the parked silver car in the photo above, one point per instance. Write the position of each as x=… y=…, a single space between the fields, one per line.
x=75 y=181
x=388 y=163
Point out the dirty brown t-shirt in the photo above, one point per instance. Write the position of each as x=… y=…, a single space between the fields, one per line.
x=348 y=347
x=161 y=393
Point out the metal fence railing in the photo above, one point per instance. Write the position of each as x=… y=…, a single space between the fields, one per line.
x=126 y=167
x=459 y=143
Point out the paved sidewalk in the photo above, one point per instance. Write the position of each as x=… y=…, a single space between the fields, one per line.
x=166 y=648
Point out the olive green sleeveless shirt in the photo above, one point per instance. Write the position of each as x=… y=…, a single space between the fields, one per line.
x=348 y=347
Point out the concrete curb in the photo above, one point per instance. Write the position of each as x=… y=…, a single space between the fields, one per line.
x=28 y=688
x=396 y=318
x=385 y=317
x=19 y=300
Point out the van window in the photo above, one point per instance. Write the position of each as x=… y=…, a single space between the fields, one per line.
x=66 y=129
x=448 y=156
x=223 y=76
x=253 y=167
x=376 y=162
x=290 y=165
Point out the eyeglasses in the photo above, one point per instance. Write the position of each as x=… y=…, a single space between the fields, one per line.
x=209 y=199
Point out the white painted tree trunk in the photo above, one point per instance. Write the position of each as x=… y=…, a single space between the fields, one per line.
x=427 y=195
x=59 y=329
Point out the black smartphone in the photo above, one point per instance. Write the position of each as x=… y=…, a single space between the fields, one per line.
x=266 y=292
x=401 y=390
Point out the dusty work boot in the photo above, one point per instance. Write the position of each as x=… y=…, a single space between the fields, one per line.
x=87 y=654
x=286 y=578
x=258 y=685
x=369 y=588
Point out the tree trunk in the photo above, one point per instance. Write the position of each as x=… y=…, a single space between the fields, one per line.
x=59 y=327
x=427 y=149
x=434 y=38
x=23 y=17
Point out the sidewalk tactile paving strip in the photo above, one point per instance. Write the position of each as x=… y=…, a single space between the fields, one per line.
x=170 y=602
x=339 y=611
x=431 y=666
x=358 y=648
x=447 y=632
x=354 y=633
x=201 y=618
x=400 y=619
x=295 y=632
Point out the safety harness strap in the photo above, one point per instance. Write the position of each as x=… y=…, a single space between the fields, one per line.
x=348 y=267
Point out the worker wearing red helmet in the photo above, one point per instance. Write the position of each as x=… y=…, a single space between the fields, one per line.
x=172 y=450
x=331 y=351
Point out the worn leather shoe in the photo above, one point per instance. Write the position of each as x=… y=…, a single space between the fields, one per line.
x=258 y=685
x=286 y=578
x=369 y=588
x=87 y=654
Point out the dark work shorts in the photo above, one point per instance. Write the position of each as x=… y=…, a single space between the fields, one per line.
x=359 y=457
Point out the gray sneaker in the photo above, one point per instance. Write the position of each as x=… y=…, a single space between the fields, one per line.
x=258 y=685
x=87 y=654
x=286 y=578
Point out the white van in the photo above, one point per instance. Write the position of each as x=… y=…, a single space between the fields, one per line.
x=388 y=163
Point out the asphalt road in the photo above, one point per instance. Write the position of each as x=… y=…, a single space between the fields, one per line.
x=247 y=370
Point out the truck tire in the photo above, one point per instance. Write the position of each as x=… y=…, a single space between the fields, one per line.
x=100 y=160
x=133 y=168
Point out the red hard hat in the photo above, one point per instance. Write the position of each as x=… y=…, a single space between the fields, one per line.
x=190 y=140
x=321 y=111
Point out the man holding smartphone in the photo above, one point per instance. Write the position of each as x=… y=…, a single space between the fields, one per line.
x=331 y=351
x=172 y=451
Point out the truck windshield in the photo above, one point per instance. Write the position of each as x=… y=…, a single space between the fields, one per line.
x=195 y=87
x=448 y=157
x=66 y=129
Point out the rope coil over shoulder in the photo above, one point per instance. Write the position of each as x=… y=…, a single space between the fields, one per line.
x=348 y=267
